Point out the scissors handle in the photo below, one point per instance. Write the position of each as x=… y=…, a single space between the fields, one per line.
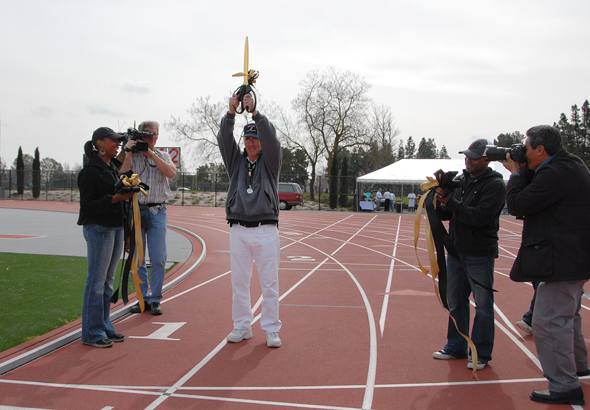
x=241 y=91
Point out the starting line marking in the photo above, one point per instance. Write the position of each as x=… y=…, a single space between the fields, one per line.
x=164 y=332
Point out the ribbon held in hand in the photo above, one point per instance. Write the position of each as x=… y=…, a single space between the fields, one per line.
x=124 y=185
x=438 y=238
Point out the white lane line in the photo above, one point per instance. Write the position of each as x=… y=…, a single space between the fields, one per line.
x=50 y=347
x=507 y=322
x=212 y=354
x=389 y=280
x=157 y=389
x=372 y=370
x=518 y=343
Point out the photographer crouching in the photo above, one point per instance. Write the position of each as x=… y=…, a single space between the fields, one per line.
x=153 y=167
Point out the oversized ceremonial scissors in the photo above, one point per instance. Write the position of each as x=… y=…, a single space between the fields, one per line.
x=250 y=77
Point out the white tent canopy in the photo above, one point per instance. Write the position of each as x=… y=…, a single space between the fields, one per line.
x=415 y=171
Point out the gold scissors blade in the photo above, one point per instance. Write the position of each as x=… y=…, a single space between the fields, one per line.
x=246 y=62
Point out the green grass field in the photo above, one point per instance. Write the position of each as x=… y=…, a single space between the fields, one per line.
x=40 y=293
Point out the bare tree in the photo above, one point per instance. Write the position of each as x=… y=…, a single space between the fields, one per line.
x=49 y=166
x=384 y=136
x=200 y=130
x=294 y=136
x=332 y=108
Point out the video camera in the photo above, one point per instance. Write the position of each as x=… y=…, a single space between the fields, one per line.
x=517 y=153
x=136 y=135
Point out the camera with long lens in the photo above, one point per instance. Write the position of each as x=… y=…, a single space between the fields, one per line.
x=138 y=136
x=517 y=153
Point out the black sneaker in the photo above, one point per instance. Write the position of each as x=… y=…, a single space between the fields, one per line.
x=116 y=337
x=446 y=355
x=100 y=343
x=136 y=309
x=155 y=308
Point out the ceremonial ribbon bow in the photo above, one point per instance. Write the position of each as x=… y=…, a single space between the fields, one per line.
x=250 y=77
x=133 y=184
x=437 y=236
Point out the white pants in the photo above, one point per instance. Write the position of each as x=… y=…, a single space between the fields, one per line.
x=262 y=245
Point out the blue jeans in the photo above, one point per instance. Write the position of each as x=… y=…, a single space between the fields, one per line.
x=459 y=287
x=155 y=233
x=104 y=248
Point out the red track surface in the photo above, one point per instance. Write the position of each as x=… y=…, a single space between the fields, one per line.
x=346 y=345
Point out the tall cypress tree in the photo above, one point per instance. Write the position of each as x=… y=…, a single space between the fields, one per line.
x=334 y=183
x=20 y=172
x=343 y=182
x=36 y=174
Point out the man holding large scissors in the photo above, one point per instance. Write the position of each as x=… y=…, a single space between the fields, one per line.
x=252 y=210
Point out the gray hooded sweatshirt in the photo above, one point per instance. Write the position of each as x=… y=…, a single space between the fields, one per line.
x=263 y=203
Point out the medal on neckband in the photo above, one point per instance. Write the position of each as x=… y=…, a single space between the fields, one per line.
x=251 y=166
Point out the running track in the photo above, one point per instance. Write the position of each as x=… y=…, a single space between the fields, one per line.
x=360 y=323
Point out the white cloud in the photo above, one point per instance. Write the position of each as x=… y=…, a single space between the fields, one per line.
x=138 y=87
x=450 y=70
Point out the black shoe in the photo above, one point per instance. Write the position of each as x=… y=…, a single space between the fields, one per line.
x=583 y=373
x=136 y=309
x=573 y=397
x=155 y=308
x=116 y=337
x=100 y=343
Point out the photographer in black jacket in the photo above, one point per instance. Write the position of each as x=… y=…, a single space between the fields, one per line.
x=555 y=252
x=474 y=210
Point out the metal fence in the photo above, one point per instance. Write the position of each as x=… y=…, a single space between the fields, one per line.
x=199 y=189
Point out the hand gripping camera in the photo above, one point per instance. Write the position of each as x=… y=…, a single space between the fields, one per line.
x=136 y=135
x=447 y=181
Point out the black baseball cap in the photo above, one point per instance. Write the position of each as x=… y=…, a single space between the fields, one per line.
x=105 y=132
x=476 y=150
x=250 y=130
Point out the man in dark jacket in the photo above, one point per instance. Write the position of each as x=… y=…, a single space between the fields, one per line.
x=252 y=210
x=474 y=211
x=555 y=252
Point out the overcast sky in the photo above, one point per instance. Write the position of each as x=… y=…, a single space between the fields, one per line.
x=452 y=70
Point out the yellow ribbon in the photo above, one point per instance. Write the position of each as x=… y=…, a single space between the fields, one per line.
x=133 y=180
x=425 y=187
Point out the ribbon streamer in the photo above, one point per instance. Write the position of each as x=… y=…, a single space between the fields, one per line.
x=437 y=236
x=137 y=245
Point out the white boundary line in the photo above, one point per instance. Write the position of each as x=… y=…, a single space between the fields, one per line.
x=389 y=280
x=56 y=344
x=171 y=391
